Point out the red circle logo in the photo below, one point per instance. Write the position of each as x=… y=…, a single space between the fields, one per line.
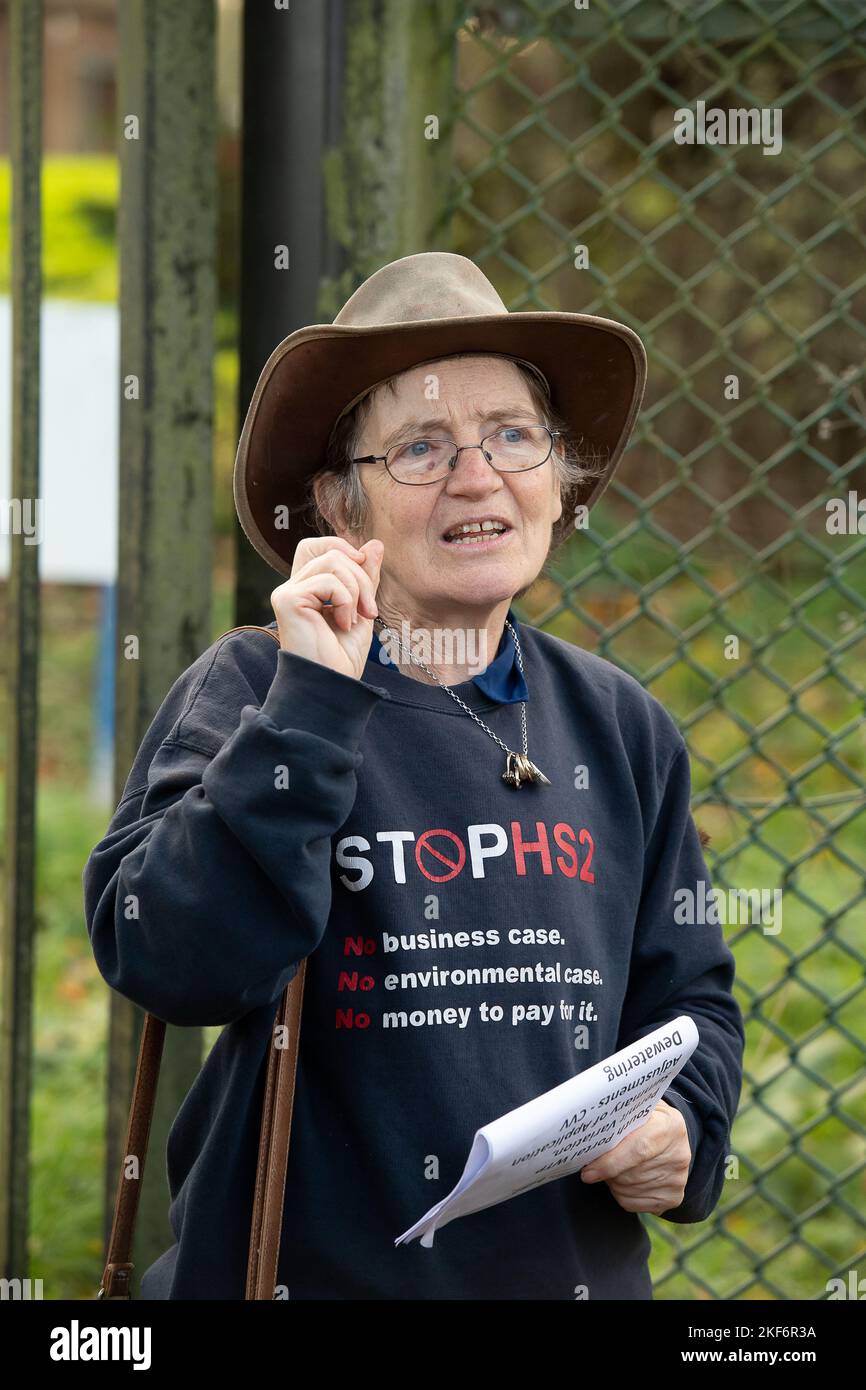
x=437 y=855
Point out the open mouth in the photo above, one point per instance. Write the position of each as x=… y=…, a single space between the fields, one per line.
x=483 y=534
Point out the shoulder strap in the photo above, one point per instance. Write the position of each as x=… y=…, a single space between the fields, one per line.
x=276 y=1129
x=273 y=1141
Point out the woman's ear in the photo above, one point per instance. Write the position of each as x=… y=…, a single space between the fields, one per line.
x=328 y=501
x=557 y=482
x=558 y=494
x=321 y=491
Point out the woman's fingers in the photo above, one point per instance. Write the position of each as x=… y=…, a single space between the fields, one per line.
x=353 y=575
x=333 y=584
x=343 y=570
x=330 y=590
x=368 y=558
x=374 y=553
x=312 y=546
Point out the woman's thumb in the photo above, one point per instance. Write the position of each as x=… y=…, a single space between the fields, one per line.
x=375 y=549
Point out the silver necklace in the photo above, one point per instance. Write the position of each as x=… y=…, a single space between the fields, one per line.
x=519 y=767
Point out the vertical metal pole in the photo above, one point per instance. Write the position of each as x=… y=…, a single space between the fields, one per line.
x=16 y=1052
x=337 y=168
x=285 y=91
x=388 y=166
x=167 y=241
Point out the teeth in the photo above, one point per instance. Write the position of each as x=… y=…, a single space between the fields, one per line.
x=473 y=530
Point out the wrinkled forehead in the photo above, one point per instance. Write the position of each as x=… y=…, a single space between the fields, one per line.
x=419 y=381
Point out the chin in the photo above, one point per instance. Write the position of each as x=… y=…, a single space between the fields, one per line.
x=487 y=591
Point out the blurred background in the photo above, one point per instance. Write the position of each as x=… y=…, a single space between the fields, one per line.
x=191 y=184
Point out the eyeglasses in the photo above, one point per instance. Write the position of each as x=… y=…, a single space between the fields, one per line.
x=512 y=449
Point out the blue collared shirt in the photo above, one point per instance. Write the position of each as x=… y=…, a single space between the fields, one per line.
x=502 y=679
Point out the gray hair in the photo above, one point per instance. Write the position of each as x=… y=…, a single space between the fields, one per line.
x=342 y=499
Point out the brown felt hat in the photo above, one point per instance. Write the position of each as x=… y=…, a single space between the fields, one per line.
x=414 y=310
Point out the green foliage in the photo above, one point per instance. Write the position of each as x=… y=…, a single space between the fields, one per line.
x=79 y=212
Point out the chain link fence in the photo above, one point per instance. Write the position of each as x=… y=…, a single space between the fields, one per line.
x=725 y=566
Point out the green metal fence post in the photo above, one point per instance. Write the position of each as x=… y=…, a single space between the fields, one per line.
x=167 y=236
x=386 y=178
x=16 y=1053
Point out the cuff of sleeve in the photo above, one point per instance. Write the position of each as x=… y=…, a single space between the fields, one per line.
x=314 y=698
x=693 y=1124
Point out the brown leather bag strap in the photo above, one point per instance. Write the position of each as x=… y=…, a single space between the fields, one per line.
x=118 y=1267
x=273 y=1142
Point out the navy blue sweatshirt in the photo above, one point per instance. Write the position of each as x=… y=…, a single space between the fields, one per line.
x=470 y=946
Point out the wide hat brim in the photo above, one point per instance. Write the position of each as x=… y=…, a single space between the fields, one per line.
x=596 y=368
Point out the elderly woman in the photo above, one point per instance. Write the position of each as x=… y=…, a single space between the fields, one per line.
x=472 y=831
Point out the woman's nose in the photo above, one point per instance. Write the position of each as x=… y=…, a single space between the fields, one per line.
x=478 y=463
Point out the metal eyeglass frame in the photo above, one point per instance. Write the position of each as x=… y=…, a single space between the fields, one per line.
x=458 y=449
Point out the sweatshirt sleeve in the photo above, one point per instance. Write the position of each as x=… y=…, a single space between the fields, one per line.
x=686 y=969
x=214 y=881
